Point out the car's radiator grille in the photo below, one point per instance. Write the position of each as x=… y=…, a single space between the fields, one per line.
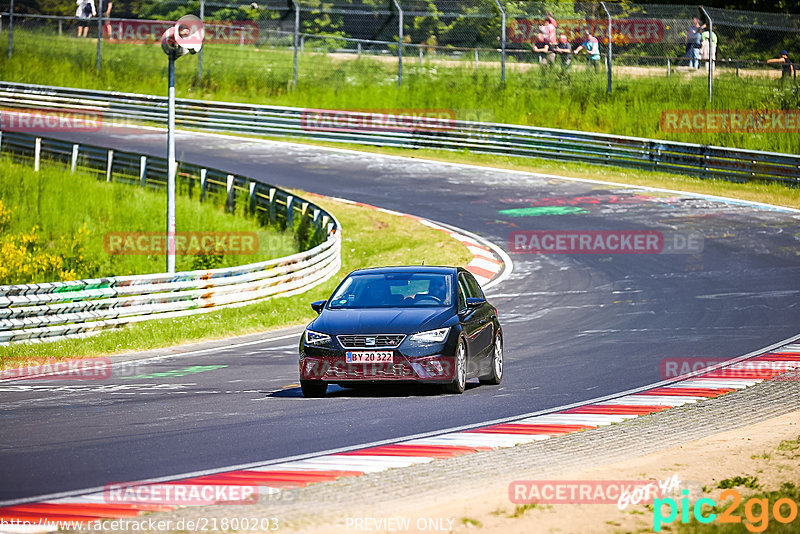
x=356 y=371
x=376 y=341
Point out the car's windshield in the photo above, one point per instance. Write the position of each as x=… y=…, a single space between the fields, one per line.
x=394 y=290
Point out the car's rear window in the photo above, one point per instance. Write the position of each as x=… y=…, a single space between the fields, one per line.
x=392 y=290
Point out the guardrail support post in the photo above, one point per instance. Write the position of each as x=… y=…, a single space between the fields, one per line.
x=74 y=163
x=272 y=192
x=143 y=171
x=231 y=203
x=109 y=163
x=610 y=43
x=11 y=28
x=37 y=153
x=399 y=43
x=296 y=38
x=290 y=212
x=502 y=41
x=203 y=183
x=252 y=203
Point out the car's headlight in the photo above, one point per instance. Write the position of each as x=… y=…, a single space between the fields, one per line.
x=316 y=338
x=430 y=336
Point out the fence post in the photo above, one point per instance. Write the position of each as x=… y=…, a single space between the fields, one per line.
x=502 y=42
x=359 y=49
x=10 y=28
x=669 y=68
x=610 y=41
x=143 y=171
x=420 y=56
x=74 y=163
x=99 y=33
x=296 y=38
x=710 y=54
x=399 y=43
x=37 y=153
x=200 y=53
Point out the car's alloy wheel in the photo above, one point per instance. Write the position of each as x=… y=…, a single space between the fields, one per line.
x=496 y=375
x=313 y=388
x=459 y=382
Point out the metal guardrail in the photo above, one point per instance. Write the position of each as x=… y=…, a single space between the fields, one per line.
x=58 y=310
x=488 y=138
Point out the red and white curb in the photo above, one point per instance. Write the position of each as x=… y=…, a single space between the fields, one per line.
x=490 y=265
x=771 y=363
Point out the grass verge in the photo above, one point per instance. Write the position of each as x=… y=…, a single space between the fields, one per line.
x=369 y=238
x=574 y=100
x=56 y=225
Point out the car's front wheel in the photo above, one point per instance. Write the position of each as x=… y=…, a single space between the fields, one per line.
x=459 y=383
x=313 y=388
x=496 y=374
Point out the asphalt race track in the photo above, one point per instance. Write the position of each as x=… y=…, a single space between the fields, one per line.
x=577 y=326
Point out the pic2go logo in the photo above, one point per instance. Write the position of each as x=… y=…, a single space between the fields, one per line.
x=756 y=511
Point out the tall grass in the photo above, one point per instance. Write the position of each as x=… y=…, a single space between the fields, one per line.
x=576 y=100
x=73 y=213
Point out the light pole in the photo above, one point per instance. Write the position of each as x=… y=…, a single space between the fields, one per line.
x=184 y=38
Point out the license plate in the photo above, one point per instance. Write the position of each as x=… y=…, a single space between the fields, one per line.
x=372 y=356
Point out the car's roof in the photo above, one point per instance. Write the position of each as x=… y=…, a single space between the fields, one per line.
x=421 y=269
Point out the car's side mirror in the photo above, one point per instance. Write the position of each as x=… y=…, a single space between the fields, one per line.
x=475 y=302
x=318 y=305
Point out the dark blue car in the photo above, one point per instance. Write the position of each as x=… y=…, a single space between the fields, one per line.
x=416 y=324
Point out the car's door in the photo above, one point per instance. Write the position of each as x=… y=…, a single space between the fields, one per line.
x=485 y=315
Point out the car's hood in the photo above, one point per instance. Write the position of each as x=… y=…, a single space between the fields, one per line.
x=380 y=320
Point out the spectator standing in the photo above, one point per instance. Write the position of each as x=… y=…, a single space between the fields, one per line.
x=107 y=15
x=564 y=51
x=693 y=39
x=541 y=48
x=708 y=47
x=85 y=11
x=549 y=32
x=592 y=47
x=787 y=67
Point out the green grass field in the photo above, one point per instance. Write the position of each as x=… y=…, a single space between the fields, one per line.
x=245 y=74
x=53 y=226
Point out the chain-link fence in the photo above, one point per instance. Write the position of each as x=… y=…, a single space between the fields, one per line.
x=284 y=40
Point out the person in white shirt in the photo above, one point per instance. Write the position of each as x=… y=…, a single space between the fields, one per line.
x=85 y=11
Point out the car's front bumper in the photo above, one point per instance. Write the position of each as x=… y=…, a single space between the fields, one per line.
x=334 y=368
